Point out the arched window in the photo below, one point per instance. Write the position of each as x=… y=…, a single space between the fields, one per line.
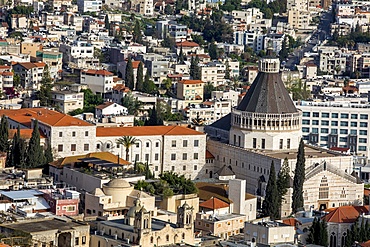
x=324 y=188
x=98 y=243
x=333 y=240
x=344 y=237
x=183 y=236
x=151 y=240
x=167 y=237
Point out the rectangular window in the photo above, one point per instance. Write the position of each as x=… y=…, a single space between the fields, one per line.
x=353 y=132
x=281 y=143
x=73 y=133
x=195 y=156
x=288 y=144
x=315 y=122
x=156 y=156
x=263 y=144
x=305 y=121
x=325 y=114
x=184 y=168
x=137 y=145
x=343 y=139
x=363 y=116
x=306 y=114
x=157 y=144
x=361 y=148
x=173 y=156
x=353 y=124
x=343 y=123
x=184 y=156
x=196 y=143
x=86 y=133
x=147 y=144
x=156 y=168
x=254 y=143
x=343 y=131
x=60 y=134
x=315 y=130
x=334 y=123
x=77 y=241
x=315 y=114
x=334 y=131
x=323 y=138
x=363 y=124
x=334 y=115
x=185 y=143
x=60 y=148
x=363 y=132
x=195 y=167
x=324 y=130
x=137 y=157
x=325 y=122
x=83 y=239
x=354 y=116
x=173 y=168
x=344 y=115
x=305 y=130
x=146 y=157
x=173 y=144
x=73 y=147
x=362 y=140
x=86 y=147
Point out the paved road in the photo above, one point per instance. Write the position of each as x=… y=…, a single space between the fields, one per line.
x=318 y=36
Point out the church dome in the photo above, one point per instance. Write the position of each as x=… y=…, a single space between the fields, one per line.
x=134 y=209
x=268 y=94
x=118 y=183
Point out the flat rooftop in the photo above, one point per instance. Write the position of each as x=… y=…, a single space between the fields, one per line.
x=43 y=225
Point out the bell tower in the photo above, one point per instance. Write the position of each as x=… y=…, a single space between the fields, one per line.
x=185 y=216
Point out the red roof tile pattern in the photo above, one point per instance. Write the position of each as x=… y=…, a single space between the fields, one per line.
x=98 y=72
x=187 y=44
x=135 y=64
x=189 y=82
x=214 y=203
x=209 y=155
x=145 y=131
x=345 y=214
x=24 y=117
x=104 y=105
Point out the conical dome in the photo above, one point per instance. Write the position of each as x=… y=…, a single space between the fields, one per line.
x=268 y=93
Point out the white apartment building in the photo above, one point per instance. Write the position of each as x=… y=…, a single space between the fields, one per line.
x=89 y=6
x=165 y=148
x=213 y=72
x=67 y=101
x=99 y=81
x=251 y=38
x=336 y=124
x=30 y=74
x=76 y=50
x=208 y=111
x=299 y=19
x=145 y=7
x=230 y=95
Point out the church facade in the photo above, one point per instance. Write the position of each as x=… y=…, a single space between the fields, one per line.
x=266 y=127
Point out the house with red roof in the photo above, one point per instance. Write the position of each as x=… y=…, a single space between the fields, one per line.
x=121 y=69
x=189 y=47
x=190 y=90
x=30 y=74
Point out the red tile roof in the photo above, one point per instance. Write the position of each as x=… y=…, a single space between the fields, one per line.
x=187 y=44
x=209 y=155
x=104 y=105
x=214 y=203
x=339 y=149
x=48 y=117
x=292 y=222
x=145 y=131
x=346 y=214
x=135 y=64
x=98 y=72
x=121 y=87
x=191 y=81
x=25 y=133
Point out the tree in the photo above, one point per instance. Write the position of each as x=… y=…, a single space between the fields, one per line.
x=149 y=86
x=127 y=142
x=35 y=154
x=180 y=58
x=167 y=83
x=207 y=90
x=284 y=52
x=195 y=71
x=4 y=135
x=106 y=21
x=132 y=104
x=282 y=182
x=318 y=233
x=227 y=70
x=129 y=74
x=137 y=35
x=155 y=117
x=17 y=154
x=168 y=10
x=312 y=232
x=213 y=51
x=298 y=180
x=323 y=233
x=44 y=94
x=48 y=154
x=140 y=77
x=16 y=80
x=168 y=42
x=270 y=204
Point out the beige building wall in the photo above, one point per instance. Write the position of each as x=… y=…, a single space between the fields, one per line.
x=30 y=48
x=190 y=90
x=172 y=203
x=269 y=235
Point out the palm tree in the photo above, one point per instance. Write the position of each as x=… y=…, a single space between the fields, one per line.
x=127 y=142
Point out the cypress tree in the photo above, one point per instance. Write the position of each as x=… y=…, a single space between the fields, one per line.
x=282 y=182
x=140 y=77
x=227 y=70
x=4 y=138
x=153 y=120
x=349 y=239
x=323 y=241
x=22 y=150
x=35 y=154
x=311 y=236
x=362 y=235
x=137 y=36
x=129 y=75
x=48 y=154
x=180 y=59
x=106 y=22
x=298 y=180
x=195 y=71
x=271 y=200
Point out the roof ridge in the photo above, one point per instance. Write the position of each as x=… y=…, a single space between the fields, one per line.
x=173 y=127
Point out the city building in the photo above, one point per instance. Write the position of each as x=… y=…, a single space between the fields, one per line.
x=190 y=90
x=30 y=74
x=89 y=6
x=110 y=109
x=99 y=81
x=67 y=101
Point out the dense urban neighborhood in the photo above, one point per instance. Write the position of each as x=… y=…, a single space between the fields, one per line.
x=231 y=123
